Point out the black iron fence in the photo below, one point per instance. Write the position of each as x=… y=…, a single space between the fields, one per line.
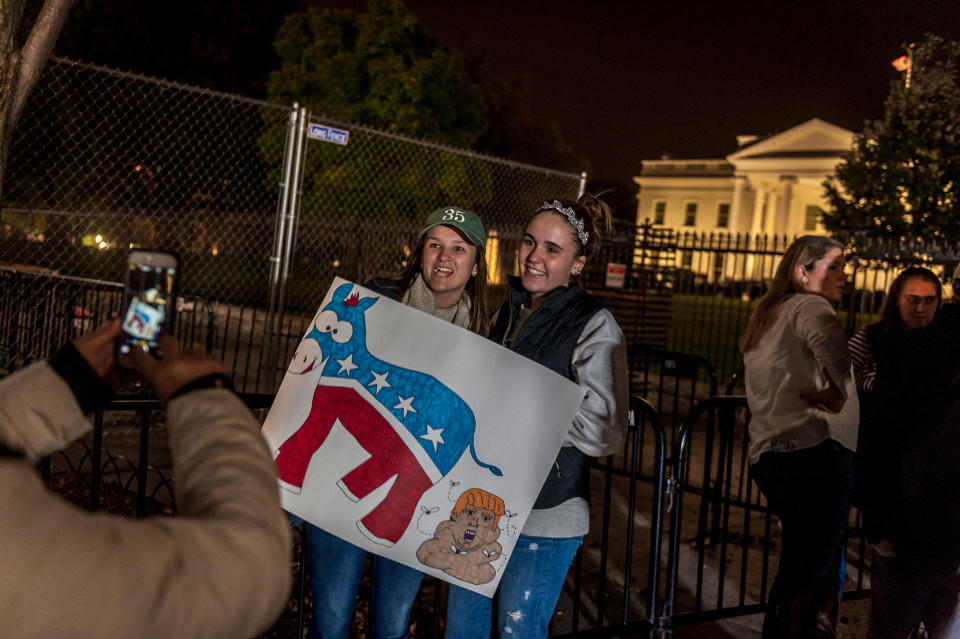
x=694 y=292
x=661 y=307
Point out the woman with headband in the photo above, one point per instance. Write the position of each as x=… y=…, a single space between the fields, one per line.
x=554 y=322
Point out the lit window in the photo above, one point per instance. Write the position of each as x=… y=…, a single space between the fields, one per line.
x=659 y=212
x=690 y=219
x=811 y=217
x=723 y=215
x=717 y=266
x=686 y=259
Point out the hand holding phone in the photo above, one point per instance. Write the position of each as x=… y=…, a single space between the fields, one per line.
x=149 y=302
x=174 y=369
x=98 y=347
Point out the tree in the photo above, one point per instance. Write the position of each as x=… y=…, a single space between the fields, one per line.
x=379 y=68
x=515 y=132
x=20 y=67
x=901 y=178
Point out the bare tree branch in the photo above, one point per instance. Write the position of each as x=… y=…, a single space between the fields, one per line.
x=35 y=52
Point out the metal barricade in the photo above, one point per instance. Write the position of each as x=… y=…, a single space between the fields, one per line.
x=724 y=568
x=610 y=572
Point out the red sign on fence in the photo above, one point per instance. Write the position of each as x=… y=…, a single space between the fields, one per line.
x=615 y=275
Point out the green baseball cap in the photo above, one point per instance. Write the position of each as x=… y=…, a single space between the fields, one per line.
x=466 y=221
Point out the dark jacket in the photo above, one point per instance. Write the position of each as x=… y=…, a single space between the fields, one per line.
x=387 y=287
x=917 y=495
x=548 y=337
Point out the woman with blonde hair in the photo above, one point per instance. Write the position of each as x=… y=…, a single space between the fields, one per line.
x=803 y=430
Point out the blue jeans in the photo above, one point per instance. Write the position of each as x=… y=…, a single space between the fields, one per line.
x=526 y=598
x=335 y=568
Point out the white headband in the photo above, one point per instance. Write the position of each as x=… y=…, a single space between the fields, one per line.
x=567 y=212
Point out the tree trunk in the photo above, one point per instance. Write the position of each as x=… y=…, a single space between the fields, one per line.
x=20 y=70
x=10 y=14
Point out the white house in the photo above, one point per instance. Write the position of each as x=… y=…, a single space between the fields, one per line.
x=771 y=185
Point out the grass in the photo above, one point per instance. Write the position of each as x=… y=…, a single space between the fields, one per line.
x=709 y=326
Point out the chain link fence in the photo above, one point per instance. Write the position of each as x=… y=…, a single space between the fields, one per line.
x=264 y=203
x=104 y=161
x=362 y=203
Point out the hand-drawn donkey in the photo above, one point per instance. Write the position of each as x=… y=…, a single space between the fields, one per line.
x=413 y=426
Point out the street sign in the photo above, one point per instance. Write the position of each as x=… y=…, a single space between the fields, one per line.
x=328 y=134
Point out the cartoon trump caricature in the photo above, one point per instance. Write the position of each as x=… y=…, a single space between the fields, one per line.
x=466 y=544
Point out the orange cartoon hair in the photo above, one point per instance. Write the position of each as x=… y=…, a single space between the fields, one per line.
x=481 y=499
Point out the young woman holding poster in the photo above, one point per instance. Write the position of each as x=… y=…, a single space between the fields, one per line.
x=803 y=430
x=447 y=278
x=557 y=324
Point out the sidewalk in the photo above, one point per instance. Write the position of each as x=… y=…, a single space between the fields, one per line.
x=854 y=617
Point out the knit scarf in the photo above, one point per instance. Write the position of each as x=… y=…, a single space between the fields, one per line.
x=420 y=297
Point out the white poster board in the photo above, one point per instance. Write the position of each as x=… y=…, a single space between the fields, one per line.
x=413 y=438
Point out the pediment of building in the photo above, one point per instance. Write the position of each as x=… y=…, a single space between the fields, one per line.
x=814 y=139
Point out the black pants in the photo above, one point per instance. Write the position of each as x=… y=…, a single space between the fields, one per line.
x=809 y=490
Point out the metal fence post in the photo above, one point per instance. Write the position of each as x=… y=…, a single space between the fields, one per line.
x=274 y=306
x=293 y=206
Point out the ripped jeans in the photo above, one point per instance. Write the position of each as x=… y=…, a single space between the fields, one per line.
x=526 y=598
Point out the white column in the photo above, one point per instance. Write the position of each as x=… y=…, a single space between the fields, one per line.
x=739 y=183
x=759 y=223
x=783 y=204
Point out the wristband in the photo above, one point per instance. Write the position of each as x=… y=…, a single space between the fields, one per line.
x=214 y=380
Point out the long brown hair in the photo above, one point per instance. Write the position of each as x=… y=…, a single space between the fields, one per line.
x=476 y=286
x=805 y=250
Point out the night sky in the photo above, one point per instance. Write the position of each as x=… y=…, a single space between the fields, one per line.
x=625 y=81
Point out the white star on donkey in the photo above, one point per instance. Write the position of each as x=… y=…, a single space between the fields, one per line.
x=406 y=404
x=433 y=435
x=380 y=381
x=347 y=365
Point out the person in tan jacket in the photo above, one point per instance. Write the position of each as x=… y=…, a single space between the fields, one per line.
x=220 y=568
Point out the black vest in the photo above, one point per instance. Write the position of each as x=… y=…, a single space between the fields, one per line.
x=548 y=337
x=387 y=287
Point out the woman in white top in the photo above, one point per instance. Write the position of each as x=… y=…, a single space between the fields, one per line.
x=803 y=429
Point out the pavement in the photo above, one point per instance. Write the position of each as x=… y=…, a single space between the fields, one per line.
x=853 y=621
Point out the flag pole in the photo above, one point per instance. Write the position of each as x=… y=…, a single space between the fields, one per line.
x=906 y=82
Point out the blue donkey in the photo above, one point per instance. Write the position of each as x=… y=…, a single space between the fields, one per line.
x=413 y=426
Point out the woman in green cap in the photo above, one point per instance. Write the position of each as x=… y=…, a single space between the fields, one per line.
x=446 y=277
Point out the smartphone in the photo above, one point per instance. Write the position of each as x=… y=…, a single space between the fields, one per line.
x=149 y=302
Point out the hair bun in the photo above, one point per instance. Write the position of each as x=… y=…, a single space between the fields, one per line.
x=601 y=220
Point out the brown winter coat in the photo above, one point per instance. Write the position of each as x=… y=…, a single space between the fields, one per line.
x=220 y=568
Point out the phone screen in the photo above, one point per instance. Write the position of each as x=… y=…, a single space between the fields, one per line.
x=150 y=285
